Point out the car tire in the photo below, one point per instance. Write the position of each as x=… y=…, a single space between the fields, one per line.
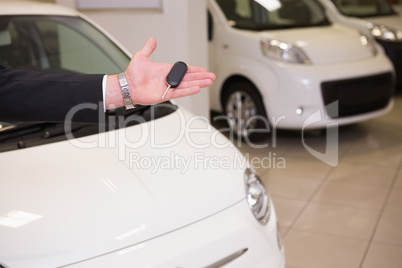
x=245 y=112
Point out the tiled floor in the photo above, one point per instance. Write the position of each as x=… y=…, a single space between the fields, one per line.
x=349 y=215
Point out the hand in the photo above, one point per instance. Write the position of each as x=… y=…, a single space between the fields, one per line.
x=147 y=80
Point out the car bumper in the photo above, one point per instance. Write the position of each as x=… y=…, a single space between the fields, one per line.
x=232 y=236
x=300 y=103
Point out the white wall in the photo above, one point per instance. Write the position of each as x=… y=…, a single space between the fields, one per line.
x=180 y=30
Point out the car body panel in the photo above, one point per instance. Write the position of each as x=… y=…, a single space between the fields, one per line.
x=208 y=242
x=317 y=41
x=71 y=193
x=393 y=21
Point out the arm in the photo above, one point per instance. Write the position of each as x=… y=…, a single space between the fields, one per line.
x=38 y=97
x=30 y=96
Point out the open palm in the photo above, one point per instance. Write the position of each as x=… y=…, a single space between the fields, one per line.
x=147 y=80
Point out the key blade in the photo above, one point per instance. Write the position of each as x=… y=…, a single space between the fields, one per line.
x=166 y=91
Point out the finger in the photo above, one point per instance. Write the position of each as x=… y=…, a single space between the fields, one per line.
x=195 y=83
x=149 y=47
x=199 y=76
x=173 y=94
x=196 y=69
x=201 y=70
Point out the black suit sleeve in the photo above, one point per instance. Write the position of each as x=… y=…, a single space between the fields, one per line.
x=39 y=97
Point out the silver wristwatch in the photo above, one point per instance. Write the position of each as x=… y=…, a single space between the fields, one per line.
x=125 y=91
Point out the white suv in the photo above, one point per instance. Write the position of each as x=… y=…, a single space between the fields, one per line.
x=284 y=61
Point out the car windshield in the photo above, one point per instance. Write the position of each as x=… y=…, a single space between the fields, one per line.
x=364 y=8
x=57 y=44
x=61 y=44
x=260 y=15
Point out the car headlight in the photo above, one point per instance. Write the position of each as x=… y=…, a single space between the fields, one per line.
x=283 y=51
x=385 y=33
x=366 y=41
x=257 y=198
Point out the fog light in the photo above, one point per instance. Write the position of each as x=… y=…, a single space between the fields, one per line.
x=299 y=111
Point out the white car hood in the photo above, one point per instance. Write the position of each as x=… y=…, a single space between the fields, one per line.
x=61 y=204
x=394 y=21
x=325 y=45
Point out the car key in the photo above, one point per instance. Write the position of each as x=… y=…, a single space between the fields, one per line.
x=175 y=76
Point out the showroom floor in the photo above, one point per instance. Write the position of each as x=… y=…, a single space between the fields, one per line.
x=349 y=215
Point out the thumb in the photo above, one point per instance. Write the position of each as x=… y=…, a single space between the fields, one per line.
x=149 y=47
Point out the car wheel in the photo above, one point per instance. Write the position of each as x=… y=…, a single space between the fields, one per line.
x=245 y=111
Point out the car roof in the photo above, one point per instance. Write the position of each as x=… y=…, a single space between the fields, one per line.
x=19 y=7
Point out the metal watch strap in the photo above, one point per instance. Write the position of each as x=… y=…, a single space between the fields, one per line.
x=125 y=91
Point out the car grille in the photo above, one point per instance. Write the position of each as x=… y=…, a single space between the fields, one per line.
x=358 y=95
x=394 y=52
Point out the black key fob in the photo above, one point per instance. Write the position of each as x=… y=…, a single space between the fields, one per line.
x=176 y=74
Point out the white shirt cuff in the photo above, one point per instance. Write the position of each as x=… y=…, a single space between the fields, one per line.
x=104 y=81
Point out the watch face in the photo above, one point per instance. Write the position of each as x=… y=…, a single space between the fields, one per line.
x=122 y=79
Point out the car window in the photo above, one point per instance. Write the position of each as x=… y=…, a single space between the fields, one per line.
x=364 y=8
x=62 y=44
x=58 y=45
x=261 y=15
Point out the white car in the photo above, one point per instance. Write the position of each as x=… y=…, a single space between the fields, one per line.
x=375 y=17
x=164 y=189
x=285 y=61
